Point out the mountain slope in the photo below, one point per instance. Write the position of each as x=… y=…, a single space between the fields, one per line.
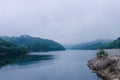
x=115 y=44
x=35 y=44
x=10 y=49
x=91 y=45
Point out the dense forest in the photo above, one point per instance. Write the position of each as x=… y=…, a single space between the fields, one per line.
x=104 y=44
x=113 y=45
x=8 y=48
x=24 y=44
x=93 y=45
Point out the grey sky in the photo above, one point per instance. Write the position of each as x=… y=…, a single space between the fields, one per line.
x=65 y=21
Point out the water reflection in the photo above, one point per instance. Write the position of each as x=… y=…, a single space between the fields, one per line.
x=24 y=60
x=113 y=51
x=56 y=65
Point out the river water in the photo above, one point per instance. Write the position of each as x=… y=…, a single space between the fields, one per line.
x=56 y=65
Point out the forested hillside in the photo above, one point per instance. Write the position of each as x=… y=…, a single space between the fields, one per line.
x=113 y=45
x=8 y=48
x=35 y=44
x=91 y=45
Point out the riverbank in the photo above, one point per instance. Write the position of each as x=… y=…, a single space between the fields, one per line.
x=107 y=67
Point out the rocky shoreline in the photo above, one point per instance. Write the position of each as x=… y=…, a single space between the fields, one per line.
x=107 y=67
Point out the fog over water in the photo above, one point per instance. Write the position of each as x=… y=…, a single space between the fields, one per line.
x=65 y=21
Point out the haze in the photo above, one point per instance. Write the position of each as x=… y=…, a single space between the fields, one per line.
x=65 y=21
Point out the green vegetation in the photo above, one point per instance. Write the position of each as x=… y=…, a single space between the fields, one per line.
x=113 y=45
x=101 y=53
x=93 y=45
x=33 y=44
x=10 y=49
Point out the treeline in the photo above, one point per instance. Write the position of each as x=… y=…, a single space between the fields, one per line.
x=93 y=45
x=99 y=44
x=9 y=49
x=113 y=45
x=88 y=46
x=24 y=44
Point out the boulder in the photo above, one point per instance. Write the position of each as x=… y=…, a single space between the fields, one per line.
x=108 y=67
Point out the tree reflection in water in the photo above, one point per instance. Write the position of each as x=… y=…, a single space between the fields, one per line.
x=23 y=60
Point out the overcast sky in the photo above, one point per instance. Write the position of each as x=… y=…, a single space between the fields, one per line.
x=65 y=21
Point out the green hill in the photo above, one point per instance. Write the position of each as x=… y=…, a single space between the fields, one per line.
x=10 y=49
x=91 y=45
x=113 y=45
x=35 y=44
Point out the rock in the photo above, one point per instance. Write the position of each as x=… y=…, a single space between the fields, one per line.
x=108 y=68
x=115 y=67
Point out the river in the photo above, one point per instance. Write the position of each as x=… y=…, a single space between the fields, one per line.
x=55 y=65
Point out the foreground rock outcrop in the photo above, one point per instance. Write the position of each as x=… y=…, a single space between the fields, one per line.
x=107 y=68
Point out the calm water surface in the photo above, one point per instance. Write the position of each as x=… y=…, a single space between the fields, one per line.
x=57 y=65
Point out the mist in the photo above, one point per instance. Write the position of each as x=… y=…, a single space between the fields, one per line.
x=65 y=21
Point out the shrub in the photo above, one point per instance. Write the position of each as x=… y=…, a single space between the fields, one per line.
x=101 y=53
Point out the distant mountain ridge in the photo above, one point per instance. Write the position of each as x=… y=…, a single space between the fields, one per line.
x=92 y=45
x=113 y=45
x=34 y=44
